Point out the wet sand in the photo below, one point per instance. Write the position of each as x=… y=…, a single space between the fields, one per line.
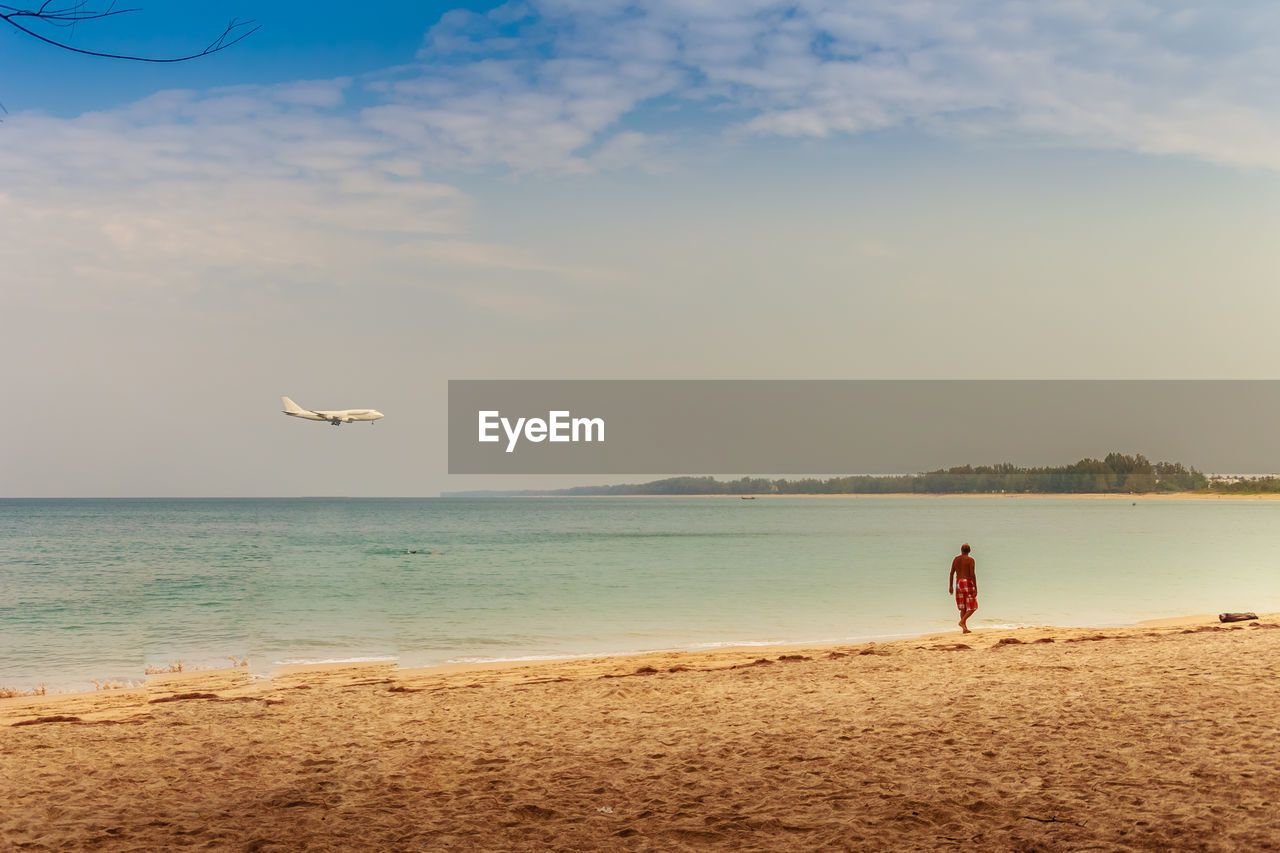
x=1165 y=736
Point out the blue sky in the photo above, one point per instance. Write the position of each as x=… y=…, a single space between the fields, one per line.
x=351 y=211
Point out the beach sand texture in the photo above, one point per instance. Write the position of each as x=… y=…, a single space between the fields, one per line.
x=1151 y=738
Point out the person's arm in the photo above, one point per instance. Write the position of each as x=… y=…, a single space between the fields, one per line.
x=951 y=578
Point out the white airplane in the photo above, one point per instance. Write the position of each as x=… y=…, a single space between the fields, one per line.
x=345 y=416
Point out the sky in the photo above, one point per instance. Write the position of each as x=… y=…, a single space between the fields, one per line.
x=353 y=210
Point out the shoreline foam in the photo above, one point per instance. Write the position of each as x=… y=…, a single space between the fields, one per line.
x=194 y=669
x=162 y=682
x=291 y=666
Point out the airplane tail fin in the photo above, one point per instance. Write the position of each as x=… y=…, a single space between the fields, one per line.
x=290 y=407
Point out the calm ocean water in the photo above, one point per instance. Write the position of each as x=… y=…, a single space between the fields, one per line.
x=104 y=588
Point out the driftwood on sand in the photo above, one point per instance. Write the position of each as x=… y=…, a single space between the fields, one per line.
x=1236 y=617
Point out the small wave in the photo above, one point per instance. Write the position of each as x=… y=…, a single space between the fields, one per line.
x=729 y=644
x=315 y=661
x=535 y=658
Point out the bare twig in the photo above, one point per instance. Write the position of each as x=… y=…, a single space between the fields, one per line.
x=78 y=12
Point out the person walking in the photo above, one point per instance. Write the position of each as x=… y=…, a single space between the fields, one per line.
x=963 y=580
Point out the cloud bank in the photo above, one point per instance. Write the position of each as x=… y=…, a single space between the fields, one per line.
x=541 y=84
x=342 y=179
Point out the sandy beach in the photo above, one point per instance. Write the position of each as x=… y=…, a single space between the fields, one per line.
x=1157 y=737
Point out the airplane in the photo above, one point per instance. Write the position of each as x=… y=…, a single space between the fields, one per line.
x=339 y=418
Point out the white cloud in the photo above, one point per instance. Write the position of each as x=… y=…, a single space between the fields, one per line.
x=532 y=87
x=251 y=184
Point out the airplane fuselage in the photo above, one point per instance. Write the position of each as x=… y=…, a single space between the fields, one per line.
x=337 y=418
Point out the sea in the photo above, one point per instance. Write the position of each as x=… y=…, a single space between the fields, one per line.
x=102 y=590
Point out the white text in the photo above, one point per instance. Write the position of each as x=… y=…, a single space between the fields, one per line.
x=558 y=426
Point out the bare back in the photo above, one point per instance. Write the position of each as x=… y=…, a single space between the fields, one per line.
x=962 y=568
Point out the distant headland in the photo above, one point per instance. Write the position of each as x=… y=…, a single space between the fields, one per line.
x=1116 y=473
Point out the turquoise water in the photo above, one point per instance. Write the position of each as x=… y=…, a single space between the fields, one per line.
x=101 y=589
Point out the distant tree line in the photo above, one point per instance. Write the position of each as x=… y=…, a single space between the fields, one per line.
x=1116 y=474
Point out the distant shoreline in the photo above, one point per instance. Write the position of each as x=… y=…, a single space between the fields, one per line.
x=1212 y=496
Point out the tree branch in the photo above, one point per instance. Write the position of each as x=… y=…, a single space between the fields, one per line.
x=78 y=12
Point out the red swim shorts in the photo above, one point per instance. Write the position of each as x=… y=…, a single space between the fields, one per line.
x=966 y=595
